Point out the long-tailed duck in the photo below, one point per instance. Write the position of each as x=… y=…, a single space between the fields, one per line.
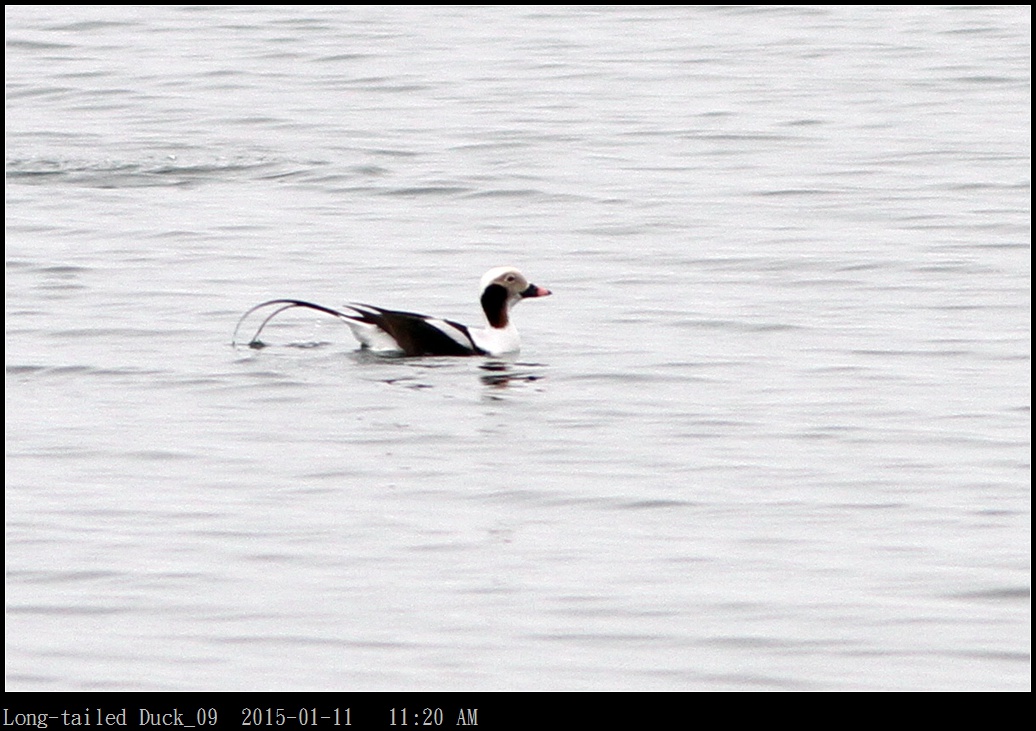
x=407 y=333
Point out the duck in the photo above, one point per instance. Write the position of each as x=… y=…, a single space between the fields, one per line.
x=397 y=332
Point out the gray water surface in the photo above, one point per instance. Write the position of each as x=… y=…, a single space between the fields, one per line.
x=771 y=432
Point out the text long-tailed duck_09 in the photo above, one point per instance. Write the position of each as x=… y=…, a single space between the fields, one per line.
x=407 y=333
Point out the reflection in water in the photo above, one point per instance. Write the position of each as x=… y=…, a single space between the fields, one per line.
x=496 y=373
x=502 y=374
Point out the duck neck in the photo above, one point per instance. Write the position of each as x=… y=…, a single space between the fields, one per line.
x=495 y=305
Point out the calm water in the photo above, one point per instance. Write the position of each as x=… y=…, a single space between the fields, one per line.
x=772 y=431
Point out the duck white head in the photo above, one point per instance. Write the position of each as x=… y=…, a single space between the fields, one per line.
x=501 y=288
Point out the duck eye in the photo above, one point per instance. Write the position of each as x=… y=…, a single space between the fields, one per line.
x=510 y=277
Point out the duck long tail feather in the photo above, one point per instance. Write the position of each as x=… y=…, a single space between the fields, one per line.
x=283 y=304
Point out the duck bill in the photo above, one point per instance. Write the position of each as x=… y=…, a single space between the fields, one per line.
x=533 y=291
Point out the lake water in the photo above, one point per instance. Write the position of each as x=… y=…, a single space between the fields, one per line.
x=771 y=432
